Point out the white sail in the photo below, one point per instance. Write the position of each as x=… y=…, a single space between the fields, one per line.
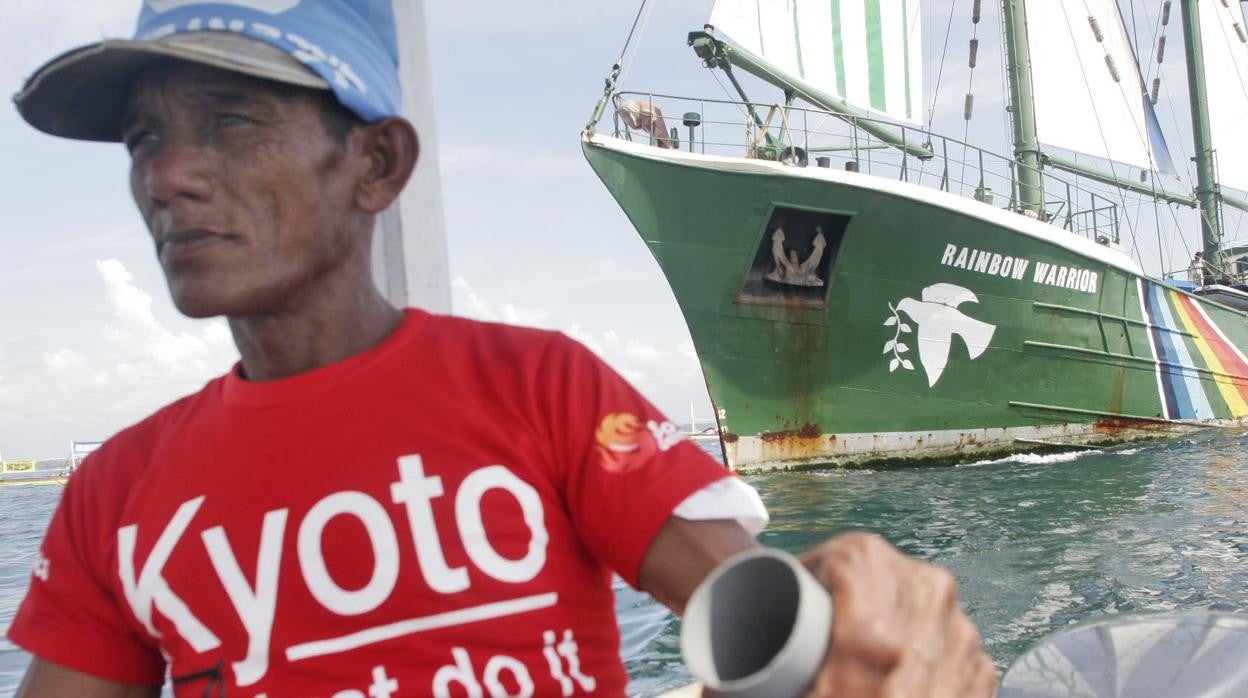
x=1226 y=77
x=1081 y=102
x=868 y=52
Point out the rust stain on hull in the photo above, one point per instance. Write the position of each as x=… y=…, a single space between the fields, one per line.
x=806 y=431
x=1118 y=425
x=806 y=441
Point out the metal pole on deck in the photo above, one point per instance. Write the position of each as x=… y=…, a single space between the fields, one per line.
x=1022 y=111
x=409 y=243
x=1206 y=183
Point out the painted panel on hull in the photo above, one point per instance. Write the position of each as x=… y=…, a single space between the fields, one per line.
x=1220 y=356
x=1185 y=340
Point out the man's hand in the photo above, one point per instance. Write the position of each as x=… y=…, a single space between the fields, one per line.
x=897 y=629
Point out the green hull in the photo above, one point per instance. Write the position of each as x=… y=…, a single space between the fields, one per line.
x=935 y=327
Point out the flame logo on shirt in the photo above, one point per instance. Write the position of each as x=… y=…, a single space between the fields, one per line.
x=624 y=441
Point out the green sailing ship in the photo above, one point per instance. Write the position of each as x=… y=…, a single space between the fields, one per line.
x=861 y=290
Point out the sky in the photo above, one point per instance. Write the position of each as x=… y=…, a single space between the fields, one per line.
x=90 y=343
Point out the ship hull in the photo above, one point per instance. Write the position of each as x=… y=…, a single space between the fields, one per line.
x=931 y=328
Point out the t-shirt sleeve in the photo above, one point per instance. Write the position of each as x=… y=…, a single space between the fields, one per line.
x=70 y=615
x=625 y=467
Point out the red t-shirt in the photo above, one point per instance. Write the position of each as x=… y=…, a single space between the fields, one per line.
x=439 y=515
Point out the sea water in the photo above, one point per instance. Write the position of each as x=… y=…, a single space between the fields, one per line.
x=1036 y=542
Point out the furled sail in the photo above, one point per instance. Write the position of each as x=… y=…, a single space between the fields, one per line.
x=1088 y=93
x=1223 y=43
x=868 y=52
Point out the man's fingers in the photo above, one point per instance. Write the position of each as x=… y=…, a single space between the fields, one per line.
x=945 y=665
x=898 y=629
x=962 y=676
x=984 y=682
x=869 y=616
x=931 y=594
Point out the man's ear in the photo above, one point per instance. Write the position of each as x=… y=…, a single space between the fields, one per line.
x=391 y=148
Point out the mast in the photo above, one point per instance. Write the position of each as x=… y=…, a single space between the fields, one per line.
x=1206 y=182
x=409 y=241
x=1022 y=113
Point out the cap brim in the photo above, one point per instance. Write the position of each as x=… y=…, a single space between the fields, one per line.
x=82 y=94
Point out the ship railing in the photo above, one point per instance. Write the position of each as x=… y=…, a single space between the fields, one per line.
x=816 y=138
x=1221 y=275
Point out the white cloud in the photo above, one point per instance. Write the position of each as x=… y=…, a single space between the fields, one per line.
x=644 y=352
x=585 y=337
x=65 y=361
x=144 y=348
x=529 y=317
x=478 y=307
x=132 y=366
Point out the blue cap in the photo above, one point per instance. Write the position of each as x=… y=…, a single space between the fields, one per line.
x=346 y=46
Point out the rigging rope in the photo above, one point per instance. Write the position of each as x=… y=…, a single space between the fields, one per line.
x=618 y=69
x=968 y=107
x=643 y=20
x=1004 y=88
x=1135 y=33
x=940 y=71
x=1096 y=116
x=1243 y=87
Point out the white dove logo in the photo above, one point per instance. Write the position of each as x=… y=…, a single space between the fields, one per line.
x=938 y=318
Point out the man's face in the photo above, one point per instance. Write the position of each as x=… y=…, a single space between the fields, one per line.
x=247 y=197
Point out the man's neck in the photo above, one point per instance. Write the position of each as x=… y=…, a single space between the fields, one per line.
x=336 y=326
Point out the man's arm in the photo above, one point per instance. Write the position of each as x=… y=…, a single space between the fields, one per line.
x=47 y=680
x=684 y=553
x=897 y=627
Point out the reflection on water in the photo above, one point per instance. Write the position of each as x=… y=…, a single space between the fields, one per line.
x=1036 y=542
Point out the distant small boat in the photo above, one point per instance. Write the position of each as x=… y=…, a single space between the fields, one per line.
x=708 y=434
x=27 y=472
x=709 y=431
x=54 y=480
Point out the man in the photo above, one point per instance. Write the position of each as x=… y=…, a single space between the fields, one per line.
x=375 y=502
x=1200 y=271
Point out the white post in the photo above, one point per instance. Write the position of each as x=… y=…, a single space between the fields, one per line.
x=409 y=244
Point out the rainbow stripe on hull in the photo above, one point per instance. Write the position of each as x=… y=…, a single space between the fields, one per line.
x=1201 y=374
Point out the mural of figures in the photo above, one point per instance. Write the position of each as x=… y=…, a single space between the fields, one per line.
x=794 y=261
x=788 y=269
